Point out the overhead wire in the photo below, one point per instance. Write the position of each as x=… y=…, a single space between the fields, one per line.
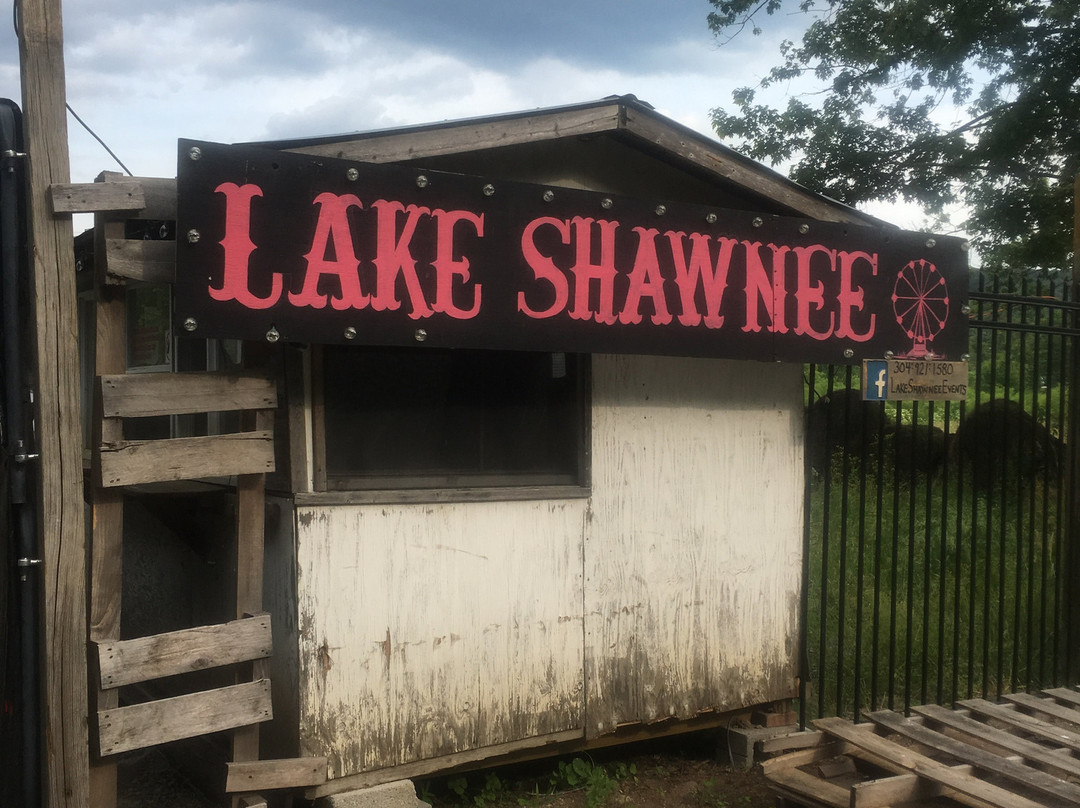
x=74 y=114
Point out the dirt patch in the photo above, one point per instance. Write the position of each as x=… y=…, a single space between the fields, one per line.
x=669 y=774
x=673 y=773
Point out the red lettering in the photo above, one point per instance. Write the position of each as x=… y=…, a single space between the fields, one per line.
x=765 y=286
x=699 y=268
x=332 y=227
x=851 y=297
x=811 y=295
x=393 y=258
x=544 y=268
x=238 y=247
x=447 y=267
x=585 y=270
x=645 y=281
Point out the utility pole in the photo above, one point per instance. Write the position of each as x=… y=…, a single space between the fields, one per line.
x=61 y=514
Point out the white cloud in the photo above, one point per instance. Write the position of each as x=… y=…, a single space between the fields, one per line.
x=147 y=80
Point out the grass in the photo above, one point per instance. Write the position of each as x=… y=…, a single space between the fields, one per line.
x=921 y=588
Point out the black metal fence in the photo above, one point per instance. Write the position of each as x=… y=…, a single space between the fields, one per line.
x=937 y=548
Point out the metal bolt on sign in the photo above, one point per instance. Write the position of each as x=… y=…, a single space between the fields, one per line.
x=194 y=153
x=190 y=324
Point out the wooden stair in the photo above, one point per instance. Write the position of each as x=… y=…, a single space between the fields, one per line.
x=1018 y=754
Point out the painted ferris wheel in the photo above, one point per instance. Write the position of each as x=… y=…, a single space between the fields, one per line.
x=920 y=302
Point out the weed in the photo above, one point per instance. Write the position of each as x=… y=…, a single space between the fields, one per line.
x=595 y=780
x=492 y=793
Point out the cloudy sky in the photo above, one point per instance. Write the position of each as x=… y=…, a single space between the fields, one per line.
x=143 y=73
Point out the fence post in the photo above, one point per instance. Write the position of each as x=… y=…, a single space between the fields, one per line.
x=1072 y=599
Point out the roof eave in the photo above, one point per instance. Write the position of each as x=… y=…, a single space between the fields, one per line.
x=624 y=116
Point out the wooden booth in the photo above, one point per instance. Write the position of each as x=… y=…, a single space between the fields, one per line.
x=534 y=470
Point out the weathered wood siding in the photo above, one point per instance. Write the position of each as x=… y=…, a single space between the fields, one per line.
x=693 y=548
x=428 y=630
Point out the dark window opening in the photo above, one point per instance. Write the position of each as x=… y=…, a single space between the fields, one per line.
x=427 y=418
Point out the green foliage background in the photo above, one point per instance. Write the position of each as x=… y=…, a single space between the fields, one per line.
x=930 y=101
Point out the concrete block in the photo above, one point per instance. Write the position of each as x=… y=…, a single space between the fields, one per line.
x=740 y=743
x=399 y=794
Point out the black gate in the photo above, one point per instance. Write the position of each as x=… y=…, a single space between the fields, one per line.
x=938 y=562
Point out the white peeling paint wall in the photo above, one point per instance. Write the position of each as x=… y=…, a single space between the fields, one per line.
x=427 y=630
x=694 y=546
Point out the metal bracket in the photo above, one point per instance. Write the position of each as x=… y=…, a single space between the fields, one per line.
x=20 y=455
x=25 y=564
x=13 y=153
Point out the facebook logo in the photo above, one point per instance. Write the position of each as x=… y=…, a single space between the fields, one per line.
x=875 y=380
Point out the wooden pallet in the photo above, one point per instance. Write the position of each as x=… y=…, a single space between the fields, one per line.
x=1021 y=753
x=246 y=456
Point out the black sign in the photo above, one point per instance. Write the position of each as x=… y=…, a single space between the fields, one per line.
x=280 y=246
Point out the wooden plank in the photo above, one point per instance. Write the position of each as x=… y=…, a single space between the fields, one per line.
x=137 y=395
x=789 y=742
x=131 y=462
x=1008 y=714
x=541 y=746
x=141 y=260
x=467 y=136
x=157 y=722
x=159 y=193
x=298 y=385
x=806 y=785
x=128 y=661
x=95 y=197
x=60 y=524
x=250 y=540
x=746 y=174
x=1065 y=694
x=923 y=765
x=898 y=788
x=268 y=775
x=107 y=508
x=1060 y=764
x=1045 y=706
x=805 y=757
x=987 y=761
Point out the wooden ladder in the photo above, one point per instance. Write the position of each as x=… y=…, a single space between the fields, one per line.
x=247 y=455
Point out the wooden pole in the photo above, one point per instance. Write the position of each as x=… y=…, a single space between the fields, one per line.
x=64 y=694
